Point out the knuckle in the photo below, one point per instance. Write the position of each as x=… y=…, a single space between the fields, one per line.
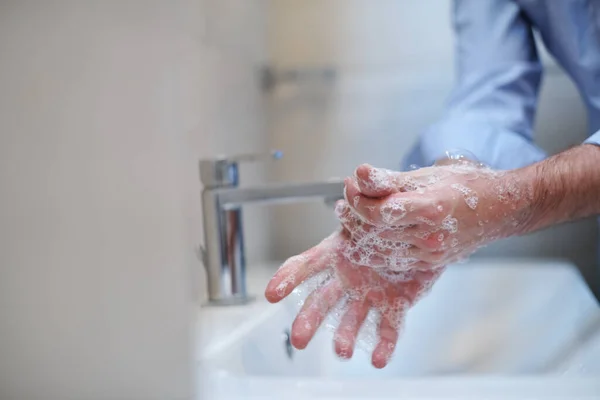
x=431 y=243
x=371 y=213
x=434 y=210
x=428 y=215
x=437 y=257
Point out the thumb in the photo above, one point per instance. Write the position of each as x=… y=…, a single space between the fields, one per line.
x=375 y=182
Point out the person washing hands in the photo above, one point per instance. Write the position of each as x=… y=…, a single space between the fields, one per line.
x=399 y=229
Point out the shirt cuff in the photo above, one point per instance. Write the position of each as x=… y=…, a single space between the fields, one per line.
x=594 y=139
x=497 y=147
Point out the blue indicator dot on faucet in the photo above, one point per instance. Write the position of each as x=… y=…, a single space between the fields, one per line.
x=277 y=154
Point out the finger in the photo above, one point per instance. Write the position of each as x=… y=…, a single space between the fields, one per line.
x=389 y=327
x=375 y=182
x=347 y=331
x=431 y=257
x=380 y=182
x=313 y=312
x=389 y=259
x=299 y=268
x=354 y=225
x=425 y=237
x=379 y=251
x=344 y=214
x=349 y=220
x=396 y=209
x=363 y=255
x=395 y=269
x=431 y=274
x=362 y=232
x=399 y=242
x=364 y=237
x=417 y=235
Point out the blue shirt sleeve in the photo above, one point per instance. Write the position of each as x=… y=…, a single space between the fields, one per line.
x=492 y=106
x=594 y=139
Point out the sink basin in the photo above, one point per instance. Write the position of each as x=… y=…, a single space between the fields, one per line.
x=504 y=328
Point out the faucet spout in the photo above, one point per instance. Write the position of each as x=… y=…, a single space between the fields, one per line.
x=231 y=198
x=224 y=252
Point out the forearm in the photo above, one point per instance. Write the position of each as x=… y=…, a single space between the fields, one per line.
x=564 y=187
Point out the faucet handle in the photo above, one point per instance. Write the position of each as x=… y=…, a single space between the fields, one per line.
x=223 y=171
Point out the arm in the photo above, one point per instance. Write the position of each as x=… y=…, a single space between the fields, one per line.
x=492 y=107
x=566 y=187
x=447 y=212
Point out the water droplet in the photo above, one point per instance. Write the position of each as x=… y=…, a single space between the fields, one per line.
x=461 y=155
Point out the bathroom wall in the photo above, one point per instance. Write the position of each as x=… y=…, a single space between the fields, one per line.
x=105 y=109
x=224 y=64
x=394 y=65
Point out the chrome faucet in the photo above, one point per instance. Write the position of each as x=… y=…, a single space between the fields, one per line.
x=222 y=199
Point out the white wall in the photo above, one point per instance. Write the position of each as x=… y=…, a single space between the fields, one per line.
x=105 y=108
x=394 y=60
x=229 y=108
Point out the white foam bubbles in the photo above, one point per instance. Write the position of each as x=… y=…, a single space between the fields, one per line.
x=450 y=224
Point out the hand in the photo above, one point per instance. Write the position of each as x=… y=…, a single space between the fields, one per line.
x=399 y=230
x=379 y=247
x=361 y=287
x=436 y=215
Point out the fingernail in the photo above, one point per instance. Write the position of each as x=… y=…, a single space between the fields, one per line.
x=344 y=352
x=271 y=295
x=379 y=361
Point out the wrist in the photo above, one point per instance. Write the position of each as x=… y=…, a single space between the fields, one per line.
x=516 y=191
x=548 y=186
x=564 y=187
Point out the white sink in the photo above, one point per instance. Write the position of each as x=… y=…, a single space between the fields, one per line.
x=510 y=329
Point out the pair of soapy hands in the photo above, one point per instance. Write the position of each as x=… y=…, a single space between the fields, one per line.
x=398 y=231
